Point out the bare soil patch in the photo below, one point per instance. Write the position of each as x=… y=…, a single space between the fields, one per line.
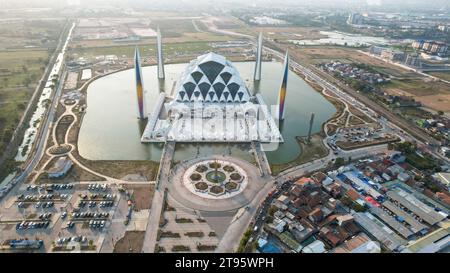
x=131 y=242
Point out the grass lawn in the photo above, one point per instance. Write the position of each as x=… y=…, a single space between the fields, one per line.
x=148 y=50
x=310 y=152
x=150 y=42
x=421 y=163
x=20 y=71
x=18 y=34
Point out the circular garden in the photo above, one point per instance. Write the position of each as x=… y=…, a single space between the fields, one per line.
x=215 y=178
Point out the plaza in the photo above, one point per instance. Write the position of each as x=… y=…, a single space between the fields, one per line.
x=183 y=179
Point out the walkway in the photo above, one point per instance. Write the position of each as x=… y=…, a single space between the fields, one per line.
x=158 y=198
x=261 y=159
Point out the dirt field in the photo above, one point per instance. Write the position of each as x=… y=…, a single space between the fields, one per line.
x=119 y=169
x=440 y=102
x=419 y=87
x=441 y=75
x=434 y=95
x=320 y=54
x=131 y=242
x=75 y=174
x=284 y=33
x=142 y=195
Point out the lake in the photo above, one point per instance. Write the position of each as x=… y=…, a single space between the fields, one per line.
x=111 y=131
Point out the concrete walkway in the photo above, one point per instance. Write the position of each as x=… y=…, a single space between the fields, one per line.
x=158 y=198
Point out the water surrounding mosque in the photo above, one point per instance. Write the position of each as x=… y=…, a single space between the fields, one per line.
x=111 y=130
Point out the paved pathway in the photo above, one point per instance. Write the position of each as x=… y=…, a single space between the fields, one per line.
x=261 y=159
x=158 y=198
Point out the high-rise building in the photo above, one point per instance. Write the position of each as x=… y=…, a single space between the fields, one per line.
x=431 y=47
x=355 y=19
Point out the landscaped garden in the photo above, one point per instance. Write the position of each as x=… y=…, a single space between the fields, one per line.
x=215 y=178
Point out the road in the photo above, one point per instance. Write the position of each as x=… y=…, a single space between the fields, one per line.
x=230 y=240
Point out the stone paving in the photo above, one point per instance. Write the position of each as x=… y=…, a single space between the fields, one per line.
x=183 y=228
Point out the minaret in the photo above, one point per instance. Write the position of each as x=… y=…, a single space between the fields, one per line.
x=139 y=85
x=311 y=122
x=282 y=94
x=257 y=74
x=160 y=55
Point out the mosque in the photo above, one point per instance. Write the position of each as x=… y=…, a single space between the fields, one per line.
x=211 y=104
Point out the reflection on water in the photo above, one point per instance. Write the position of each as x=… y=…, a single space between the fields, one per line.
x=186 y=151
x=111 y=130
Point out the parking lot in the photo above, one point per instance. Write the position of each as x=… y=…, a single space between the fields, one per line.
x=64 y=217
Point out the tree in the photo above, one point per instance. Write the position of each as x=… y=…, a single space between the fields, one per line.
x=405 y=147
x=339 y=162
x=272 y=210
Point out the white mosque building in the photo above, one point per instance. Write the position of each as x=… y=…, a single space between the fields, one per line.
x=211 y=104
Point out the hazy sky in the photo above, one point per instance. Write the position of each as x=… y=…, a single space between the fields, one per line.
x=269 y=3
